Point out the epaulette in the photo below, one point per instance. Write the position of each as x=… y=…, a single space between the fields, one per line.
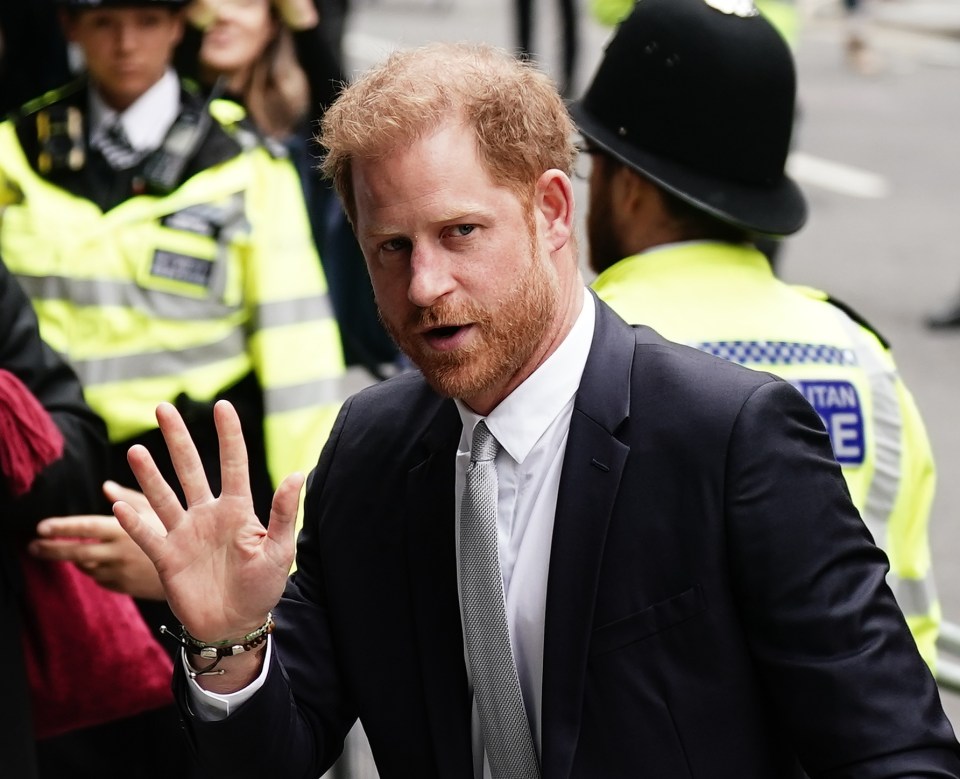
x=51 y=129
x=857 y=317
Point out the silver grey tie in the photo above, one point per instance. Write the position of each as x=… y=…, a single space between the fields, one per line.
x=496 y=687
x=116 y=148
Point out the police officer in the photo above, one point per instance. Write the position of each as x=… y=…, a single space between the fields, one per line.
x=687 y=124
x=167 y=252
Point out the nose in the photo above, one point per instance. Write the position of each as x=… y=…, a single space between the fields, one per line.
x=431 y=275
x=126 y=37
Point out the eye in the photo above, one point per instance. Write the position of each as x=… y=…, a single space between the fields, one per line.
x=461 y=231
x=395 y=245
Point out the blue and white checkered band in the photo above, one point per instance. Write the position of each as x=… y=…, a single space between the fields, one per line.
x=778 y=353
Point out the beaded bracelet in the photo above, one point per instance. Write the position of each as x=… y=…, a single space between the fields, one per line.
x=217 y=650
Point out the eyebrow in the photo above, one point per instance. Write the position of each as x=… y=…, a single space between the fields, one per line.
x=453 y=217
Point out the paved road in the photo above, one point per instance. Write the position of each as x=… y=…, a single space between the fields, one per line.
x=879 y=159
x=893 y=256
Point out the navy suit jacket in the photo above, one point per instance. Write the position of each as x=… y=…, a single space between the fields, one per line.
x=715 y=606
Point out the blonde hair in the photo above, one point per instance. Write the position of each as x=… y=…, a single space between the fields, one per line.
x=521 y=123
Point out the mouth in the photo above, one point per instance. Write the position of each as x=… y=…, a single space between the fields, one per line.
x=447 y=337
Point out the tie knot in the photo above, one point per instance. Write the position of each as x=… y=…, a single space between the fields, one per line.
x=484 y=446
x=117 y=136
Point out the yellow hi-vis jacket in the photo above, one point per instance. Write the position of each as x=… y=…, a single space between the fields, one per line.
x=182 y=294
x=724 y=299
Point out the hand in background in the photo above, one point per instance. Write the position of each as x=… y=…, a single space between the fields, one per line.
x=221 y=570
x=298 y=14
x=202 y=13
x=99 y=547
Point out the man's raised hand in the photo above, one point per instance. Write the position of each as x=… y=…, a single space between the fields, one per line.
x=222 y=571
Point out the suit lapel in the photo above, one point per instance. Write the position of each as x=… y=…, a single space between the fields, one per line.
x=431 y=556
x=592 y=468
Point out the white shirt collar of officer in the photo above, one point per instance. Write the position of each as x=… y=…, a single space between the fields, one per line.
x=148 y=118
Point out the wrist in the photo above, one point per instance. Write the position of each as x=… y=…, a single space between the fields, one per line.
x=239 y=671
x=205 y=657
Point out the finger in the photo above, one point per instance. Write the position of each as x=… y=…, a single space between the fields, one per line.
x=83 y=553
x=234 y=467
x=100 y=528
x=53 y=550
x=135 y=498
x=183 y=454
x=283 y=516
x=160 y=495
x=143 y=535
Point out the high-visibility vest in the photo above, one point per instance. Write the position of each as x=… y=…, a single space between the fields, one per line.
x=182 y=294
x=724 y=299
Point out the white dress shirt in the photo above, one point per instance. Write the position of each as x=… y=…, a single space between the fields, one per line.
x=531 y=426
x=147 y=120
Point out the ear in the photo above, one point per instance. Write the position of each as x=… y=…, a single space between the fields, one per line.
x=553 y=205
x=66 y=19
x=179 y=27
x=632 y=190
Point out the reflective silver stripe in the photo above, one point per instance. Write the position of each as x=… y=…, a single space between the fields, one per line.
x=302 y=396
x=292 y=312
x=914 y=596
x=949 y=637
x=887 y=434
x=233 y=222
x=153 y=365
x=101 y=293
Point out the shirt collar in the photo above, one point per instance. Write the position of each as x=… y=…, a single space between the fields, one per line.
x=148 y=118
x=521 y=419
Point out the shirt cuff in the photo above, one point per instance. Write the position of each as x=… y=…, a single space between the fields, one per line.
x=211 y=706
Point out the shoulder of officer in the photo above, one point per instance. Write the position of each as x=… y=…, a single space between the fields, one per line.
x=856 y=316
x=50 y=128
x=67 y=93
x=235 y=121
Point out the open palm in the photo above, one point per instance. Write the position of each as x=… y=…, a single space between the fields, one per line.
x=222 y=571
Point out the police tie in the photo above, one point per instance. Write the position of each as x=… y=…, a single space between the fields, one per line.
x=116 y=148
x=496 y=686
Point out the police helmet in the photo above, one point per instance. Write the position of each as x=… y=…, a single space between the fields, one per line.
x=698 y=96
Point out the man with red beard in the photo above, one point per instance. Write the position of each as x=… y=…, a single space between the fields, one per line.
x=675 y=213
x=566 y=547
